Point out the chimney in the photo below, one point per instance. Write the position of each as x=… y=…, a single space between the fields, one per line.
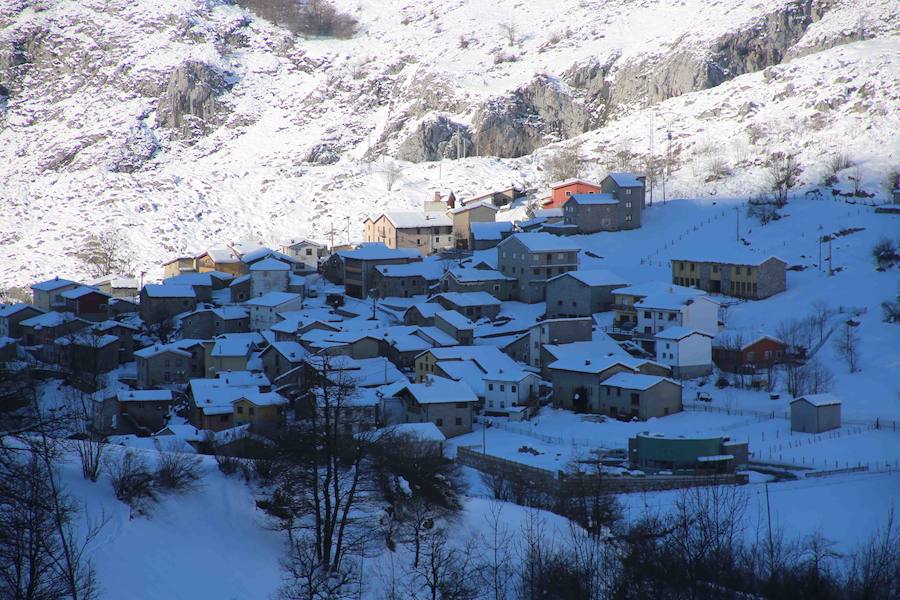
x=451 y=200
x=437 y=196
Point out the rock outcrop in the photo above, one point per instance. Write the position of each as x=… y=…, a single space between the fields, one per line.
x=436 y=138
x=190 y=105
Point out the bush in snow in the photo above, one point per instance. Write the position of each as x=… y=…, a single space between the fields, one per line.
x=565 y=163
x=227 y=464
x=177 y=471
x=131 y=479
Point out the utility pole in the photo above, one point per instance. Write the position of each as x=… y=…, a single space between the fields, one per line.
x=769 y=518
x=348 y=229
x=830 y=263
x=737 y=213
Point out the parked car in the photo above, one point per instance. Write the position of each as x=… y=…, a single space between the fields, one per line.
x=704 y=397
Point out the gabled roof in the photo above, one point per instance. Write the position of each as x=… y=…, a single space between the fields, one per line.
x=426 y=309
x=658 y=287
x=490 y=230
x=635 y=381
x=145 y=396
x=593 y=277
x=542 y=242
x=115 y=282
x=300 y=242
x=670 y=301
x=423 y=432
x=625 y=179
x=190 y=279
x=272 y=299
x=592 y=199
x=456 y=320
x=430 y=270
x=292 y=351
x=469 y=206
x=111 y=324
x=465 y=299
x=50 y=319
x=178 y=347
x=465 y=275
x=82 y=291
x=154 y=290
x=86 y=339
x=12 y=309
x=377 y=251
x=818 y=400
x=678 y=333
x=270 y=264
x=574 y=180
x=728 y=255
x=410 y=219
x=236 y=344
x=52 y=284
x=222 y=255
x=439 y=390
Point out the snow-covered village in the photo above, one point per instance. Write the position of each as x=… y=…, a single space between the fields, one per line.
x=389 y=300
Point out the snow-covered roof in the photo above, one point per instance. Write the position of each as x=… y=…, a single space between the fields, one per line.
x=115 y=282
x=455 y=320
x=273 y=299
x=601 y=346
x=658 y=287
x=270 y=264
x=669 y=301
x=86 y=339
x=236 y=344
x=262 y=252
x=239 y=280
x=819 y=399
x=435 y=336
x=635 y=381
x=258 y=398
x=364 y=372
x=222 y=255
x=625 y=179
x=430 y=270
x=593 y=277
x=592 y=199
x=592 y=364
x=145 y=396
x=190 y=279
x=424 y=432
x=230 y=313
x=177 y=347
x=488 y=358
x=292 y=351
x=411 y=219
x=542 y=242
x=426 y=309
x=440 y=390
x=470 y=205
x=378 y=251
x=12 y=309
x=50 y=319
x=490 y=231
x=571 y=181
x=52 y=284
x=242 y=378
x=215 y=396
x=548 y=213
x=464 y=275
x=154 y=290
x=727 y=255
x=467 y=298
x=81 y=291
x=679 y=333
x=290 y=243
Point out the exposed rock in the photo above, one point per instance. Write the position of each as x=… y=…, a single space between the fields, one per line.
x=436 y=138
x=139 y=147
x=322 y=154
x=541 y=112
x=190 y=103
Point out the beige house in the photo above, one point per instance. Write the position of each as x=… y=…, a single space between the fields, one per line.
x=169 y=364
x=427 y=232
x=48 y=295
x=179 y=266
x=744 y=275
x=639 y=395
x=464 y=216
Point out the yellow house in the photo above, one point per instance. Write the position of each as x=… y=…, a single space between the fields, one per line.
x=744 y=276
x=264 y=411
x=221 y=259
x=179 y=266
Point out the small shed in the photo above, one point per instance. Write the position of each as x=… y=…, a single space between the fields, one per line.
x=815 y=413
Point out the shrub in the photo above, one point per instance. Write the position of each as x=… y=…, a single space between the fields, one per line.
x=132 y=481
x=177 y=471
x=227 y=464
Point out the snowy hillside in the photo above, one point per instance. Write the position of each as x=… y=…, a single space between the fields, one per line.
x=190 y=122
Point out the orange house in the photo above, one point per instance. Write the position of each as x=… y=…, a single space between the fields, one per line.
x=561 y=190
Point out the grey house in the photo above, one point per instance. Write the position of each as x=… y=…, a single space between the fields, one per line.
x=495 y=283
x=405 y=280
x=815 y=413
x=641 y=396
x=533 y=258
x=581 y=293
x=619 y=206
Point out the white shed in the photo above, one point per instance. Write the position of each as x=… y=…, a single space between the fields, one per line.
x=815 y=413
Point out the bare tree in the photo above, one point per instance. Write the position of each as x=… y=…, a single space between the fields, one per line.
x=846 y=342
x=874 y=566
x=811 y=377
x=784 y=173
x=392 y=172
x=510 y=31
x=446 y=572
x=106 y=253
x=497 y=570
x=565 y=163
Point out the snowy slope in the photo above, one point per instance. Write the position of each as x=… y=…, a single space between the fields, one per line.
x=82 y=146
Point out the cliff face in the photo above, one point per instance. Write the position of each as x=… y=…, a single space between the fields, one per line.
x=179 y=114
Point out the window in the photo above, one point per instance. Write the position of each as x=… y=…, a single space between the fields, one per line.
x=252 y=411
x=240 y=410
x=627 y=192
x=502 y=387
x=439 y=422
x=647 y=314
x=223 y=418
x=503 y=405
x=627 y=217
x=459 y=421
x=535 y=271
x=635 y=399
x=692 y=266
x=490 y=387
x=513 y=389
x=628 y=205
x=309 y=251
x=461 y=405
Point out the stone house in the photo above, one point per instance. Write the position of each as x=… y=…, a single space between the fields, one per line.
x=421 y=313
x=484 y=279
x=533 y=258
x=145 y=409
x=179 y=266
x=581 y=293
x=686 y=351
x=222 y=259
x=87 y=355
x=211 y=401
x=359 y=265
x=465 y=216
x=239 y=288
x=265 y=310
x=425 y=232
x=231 y=352
x=815 y=413
x=453 y=323
x=446 y=403
x=13 y=314
x=44 y=328
x=124 y=333
x=47 y=295
x=638 y=395
x=474 y=305
x=527 y=347
x=269 y=275
x=744 y=275
x=484 y=235
x=161 y=302
x=116 y=286
x=281 y=357
x=577 y=379
x=590 y=213
x=207 y=321
x=263 y=411
x=305 y=253
x=175 y=363
x=405 y=280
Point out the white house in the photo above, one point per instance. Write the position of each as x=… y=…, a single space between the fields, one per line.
x=687 y=351
x=265 y=309
x=657 y=312
x=269 y=275
x=510 y=392
x=306 y=254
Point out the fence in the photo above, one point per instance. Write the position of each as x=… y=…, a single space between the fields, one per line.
x=557 y=482
x=763 y=415
x=525 y=430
